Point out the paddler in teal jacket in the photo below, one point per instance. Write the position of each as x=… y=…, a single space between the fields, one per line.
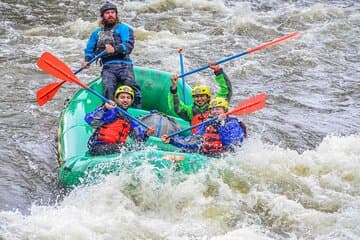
x=117 y=39
x=198 y=112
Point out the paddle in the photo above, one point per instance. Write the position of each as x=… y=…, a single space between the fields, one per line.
x=54 y=66
x=182 y=73
x=47 y=93
x=248 y=106
x=262 y=46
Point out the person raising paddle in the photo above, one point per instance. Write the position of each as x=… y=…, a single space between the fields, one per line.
x=198 y=112
x=117 y=39
x=111 y=127
x=215 y=137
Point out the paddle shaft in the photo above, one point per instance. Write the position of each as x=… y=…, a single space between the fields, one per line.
x=199 y=124
x=117 y=107
x=193 y=126
x=262 y=46
x=182 y=70
x=203 y=123
x=218 y=62
x=91 y=61
x=245 y=107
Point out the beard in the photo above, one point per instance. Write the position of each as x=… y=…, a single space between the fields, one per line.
x=111 y=20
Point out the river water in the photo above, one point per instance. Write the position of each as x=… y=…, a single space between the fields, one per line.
x=296 y=177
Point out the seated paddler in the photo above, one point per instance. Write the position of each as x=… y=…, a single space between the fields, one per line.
x=112 y=127
x=214 y=137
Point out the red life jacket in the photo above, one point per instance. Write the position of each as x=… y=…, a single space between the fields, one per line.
x=212 y=142
x=115 y=132
x=199 y=118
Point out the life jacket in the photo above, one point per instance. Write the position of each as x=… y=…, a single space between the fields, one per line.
x=115 y=132
x=211 y=141
x=199 y=118
x=107 y=37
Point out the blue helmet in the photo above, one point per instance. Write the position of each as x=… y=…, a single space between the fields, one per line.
x=107 y=6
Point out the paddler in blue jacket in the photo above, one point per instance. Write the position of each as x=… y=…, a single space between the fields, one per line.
x=117 y=39
x=111 y=127
x=215 y=137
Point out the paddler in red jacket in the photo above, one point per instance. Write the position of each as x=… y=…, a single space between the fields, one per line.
x=111 y=127
x=215 y=137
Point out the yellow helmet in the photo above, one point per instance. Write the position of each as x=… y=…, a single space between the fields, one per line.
x=201 y=89
x=219 y=102
x=124 y=89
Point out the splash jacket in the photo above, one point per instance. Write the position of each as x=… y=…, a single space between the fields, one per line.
x=111 y=127
x=122 y=41
x=196 y=114
x=214 y=137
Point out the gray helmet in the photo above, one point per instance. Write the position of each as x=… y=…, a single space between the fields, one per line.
x=107 y=6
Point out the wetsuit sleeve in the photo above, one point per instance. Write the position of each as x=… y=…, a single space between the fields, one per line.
x=184 y=111
x=100 y=116
x=231 y=132
x=224 y=84
x=192 y=142
x=89 y=51
x=137 y=132
x=127 y=43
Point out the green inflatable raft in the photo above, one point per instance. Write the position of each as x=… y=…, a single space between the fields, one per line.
x=77 y=166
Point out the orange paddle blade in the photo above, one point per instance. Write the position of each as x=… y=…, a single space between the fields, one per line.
x=47 y=93
x=57 y=68
x=250 y=105
x=275 y=41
